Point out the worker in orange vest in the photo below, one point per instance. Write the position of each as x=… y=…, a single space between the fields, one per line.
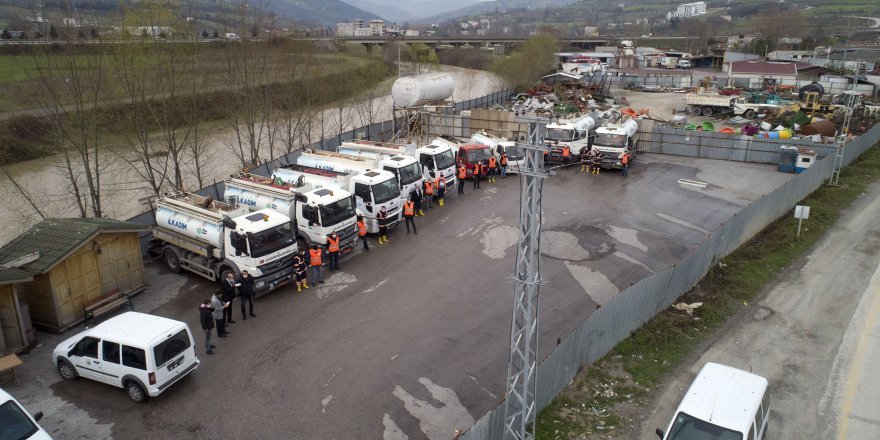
x=493 y=166
x=333 y=250
x=409 y=214
x=428 y=194
x=440 y=188
x=503 y=163
x=566 y=154
x=316 y=260
x=478 y=173
x=462 y=174
x=362 y=231
x=624 y=161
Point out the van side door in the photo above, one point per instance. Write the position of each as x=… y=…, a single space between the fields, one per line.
x=84 y=356
x=111 y=368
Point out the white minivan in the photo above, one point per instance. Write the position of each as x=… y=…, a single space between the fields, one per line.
x=18 y=424
x=723 y=403
x=144 y=354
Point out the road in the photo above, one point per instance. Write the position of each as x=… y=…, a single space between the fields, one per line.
x=409 y=341
x=815 y=335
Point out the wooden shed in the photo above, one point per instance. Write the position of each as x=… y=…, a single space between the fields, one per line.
x=16 y=332
x=74 y=262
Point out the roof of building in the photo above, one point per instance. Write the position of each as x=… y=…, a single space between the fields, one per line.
x=12 y=275
x=50 y=241
x=767 y=67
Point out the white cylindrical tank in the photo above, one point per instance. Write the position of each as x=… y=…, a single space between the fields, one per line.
x=256 y=201
x=584 y=123
x=202 y=229
x=630 y=127
x=412 y=91
x=485 y=139
x=338 y=162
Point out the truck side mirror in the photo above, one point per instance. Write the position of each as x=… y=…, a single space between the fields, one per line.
x=659 y=433
x=38 y=416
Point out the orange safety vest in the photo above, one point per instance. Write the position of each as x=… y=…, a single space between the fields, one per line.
x=625 y=159
x=362 y=228
x=315 y=257
x=492 y=162
x=409 y=209
x=429 y=188
x=462 y=172
x=332 y=245
x=440 y=180
x=566 y=151
x=477 y=169
x=504 y=160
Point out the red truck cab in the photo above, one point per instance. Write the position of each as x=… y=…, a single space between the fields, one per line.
x=470 y=154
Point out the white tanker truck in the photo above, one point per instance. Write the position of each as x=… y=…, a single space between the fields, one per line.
x=316 y=213
x=414 y=91
x=501 y=145
x=213 y=238
x=615 y=138
x=373 y=189
x=395 y=158
x=573 y=132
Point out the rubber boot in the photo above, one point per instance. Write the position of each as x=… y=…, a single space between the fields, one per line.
x=306 y=284
x=298 y=287
x=421 y=212
x=385 y=237
x=442 y=202
x=380 y=240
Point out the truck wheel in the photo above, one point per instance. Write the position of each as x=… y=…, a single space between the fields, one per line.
x=225 y=271
x=707 y=111
x=749 y=114
x=172 y=260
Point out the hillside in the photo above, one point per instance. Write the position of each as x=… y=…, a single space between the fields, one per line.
x=324 y=12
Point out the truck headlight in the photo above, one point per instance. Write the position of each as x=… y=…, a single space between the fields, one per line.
x=261 y=284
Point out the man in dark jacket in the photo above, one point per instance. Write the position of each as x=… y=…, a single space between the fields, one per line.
x=218 y=307
x=246 y=292
x=228 y=286
x=206 y=317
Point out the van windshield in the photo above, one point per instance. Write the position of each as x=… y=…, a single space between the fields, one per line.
x=14 y=423
x=171 y=347
x=337 y=211
x=271 y=240
x=410 y=173
x=690 y=428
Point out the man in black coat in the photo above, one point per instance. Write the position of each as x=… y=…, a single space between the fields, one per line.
x=246 y=292
x=207 y=319
x=229 y=286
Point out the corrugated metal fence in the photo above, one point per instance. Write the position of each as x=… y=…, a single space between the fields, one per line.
x=379 y=131
x=627 y=311
x=655 y=138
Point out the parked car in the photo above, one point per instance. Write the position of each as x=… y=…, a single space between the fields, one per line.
x=18 y=424
x=722 y=403
x=143 y=354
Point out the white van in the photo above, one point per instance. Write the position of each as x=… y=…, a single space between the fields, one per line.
x=144 y=354
x=723 y=403
x=18 y=424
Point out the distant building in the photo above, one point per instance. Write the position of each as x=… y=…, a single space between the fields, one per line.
x=591 y=31
x=345 y=29
x=377 y=27
x=363 y=32
x=412 y=33
x=734 y=41
x=687 y=10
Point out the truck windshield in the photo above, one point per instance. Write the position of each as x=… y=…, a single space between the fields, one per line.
x=513 y=153
x=271 y=240
x=478 y=155
x=444 y=160
x=690 y=428
x=336 y=212
x=410 y=173
x=385 y=191
x=610 y=140
x=558 y=134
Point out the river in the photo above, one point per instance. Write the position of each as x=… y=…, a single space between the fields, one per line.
x=124 y=191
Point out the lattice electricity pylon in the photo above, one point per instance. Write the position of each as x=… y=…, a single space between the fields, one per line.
x=852 y=100
x=520 y=407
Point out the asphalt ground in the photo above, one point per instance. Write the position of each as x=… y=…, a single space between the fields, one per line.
x=411 y=339
x=814 y=334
